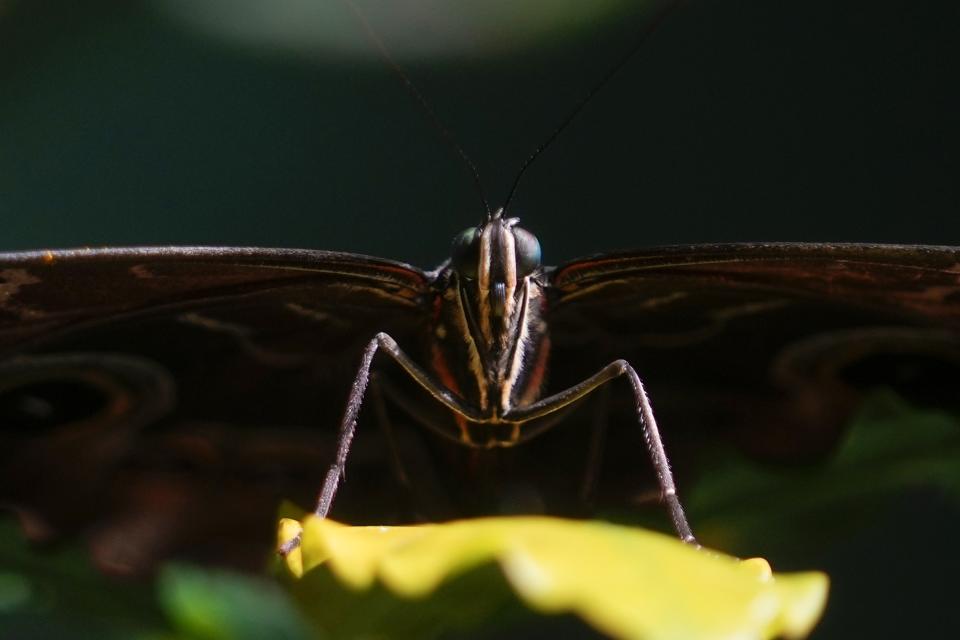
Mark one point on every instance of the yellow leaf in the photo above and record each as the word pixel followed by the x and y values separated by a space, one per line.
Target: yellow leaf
pixel 627 582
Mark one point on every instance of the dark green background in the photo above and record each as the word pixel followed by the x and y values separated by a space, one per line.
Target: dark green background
pixel 757 120
pixel 739 120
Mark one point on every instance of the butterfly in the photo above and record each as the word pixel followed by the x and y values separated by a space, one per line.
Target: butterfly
pixel 153 388
pixel 160 400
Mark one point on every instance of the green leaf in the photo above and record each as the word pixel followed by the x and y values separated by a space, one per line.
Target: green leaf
pixel 626 582
pixel 209 604
pixel 889 448
pixel 57 593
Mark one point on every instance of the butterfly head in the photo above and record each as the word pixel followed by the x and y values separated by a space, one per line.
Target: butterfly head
pixel 495 258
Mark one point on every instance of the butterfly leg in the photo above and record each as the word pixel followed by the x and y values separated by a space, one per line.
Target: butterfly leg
pixel 348 424
pixel 648 423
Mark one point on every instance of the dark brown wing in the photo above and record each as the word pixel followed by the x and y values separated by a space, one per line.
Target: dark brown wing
pixel 161 398
pixel 770 342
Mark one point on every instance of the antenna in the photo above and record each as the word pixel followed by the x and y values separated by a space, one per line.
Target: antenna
pixel 412 89
pixel 655 22
pixel 448 137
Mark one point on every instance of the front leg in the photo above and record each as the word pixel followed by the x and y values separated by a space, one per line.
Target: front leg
pixel 648 424
pixel 348 424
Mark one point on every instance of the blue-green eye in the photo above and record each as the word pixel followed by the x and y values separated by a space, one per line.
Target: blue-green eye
pixel 528 251
pixel 465 253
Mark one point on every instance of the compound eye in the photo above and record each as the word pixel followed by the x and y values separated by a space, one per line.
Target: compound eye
pixel 465 253
pixel 528 251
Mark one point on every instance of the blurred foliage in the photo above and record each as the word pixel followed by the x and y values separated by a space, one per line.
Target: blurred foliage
pixel 890 448
pixel 211 604
pixel 56 593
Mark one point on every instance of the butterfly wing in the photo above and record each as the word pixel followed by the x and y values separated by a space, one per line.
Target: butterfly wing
pixel 771 344
pixel 166 398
